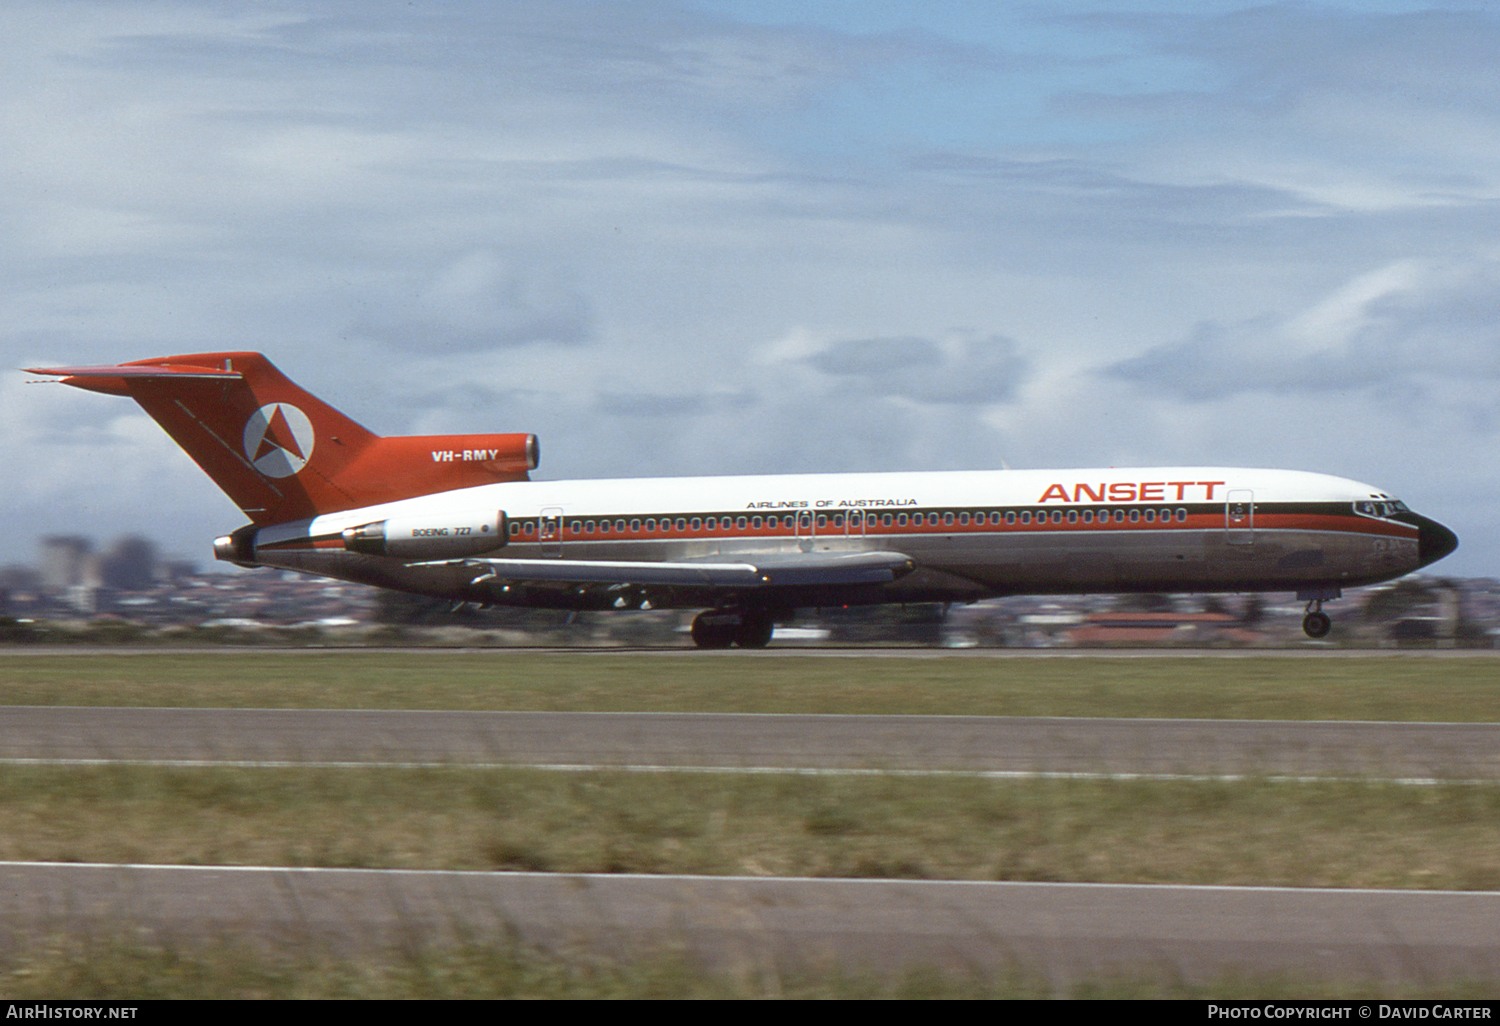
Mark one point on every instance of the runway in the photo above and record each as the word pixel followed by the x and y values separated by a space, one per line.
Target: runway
pixel 1000 745
pixel 1063 933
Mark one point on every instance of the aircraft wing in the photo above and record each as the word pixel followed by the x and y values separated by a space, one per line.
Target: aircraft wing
pixel 771 570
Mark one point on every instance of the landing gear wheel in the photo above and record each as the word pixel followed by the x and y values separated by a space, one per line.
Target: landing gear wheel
pixel 754 630
pixel 1317 625
pixel 713 629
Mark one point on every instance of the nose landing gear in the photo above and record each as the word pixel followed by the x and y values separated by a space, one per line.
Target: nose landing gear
pixel 1316 623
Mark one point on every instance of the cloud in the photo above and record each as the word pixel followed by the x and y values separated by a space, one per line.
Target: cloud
pixel 1396 328
pixel 1345 110
pixel 620 404
pixel 965 371
pixel 95 468
pixel 726 237
pixel 481 301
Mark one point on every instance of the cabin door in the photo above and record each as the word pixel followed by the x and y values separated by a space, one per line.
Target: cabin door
pixel 1239 517
pixel 805 530
pixel 549 531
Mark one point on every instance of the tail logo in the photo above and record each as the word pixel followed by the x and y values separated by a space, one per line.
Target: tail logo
pixel 278 439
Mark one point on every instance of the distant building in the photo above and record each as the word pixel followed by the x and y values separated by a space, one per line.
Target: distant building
pixel 129 565
pixel 64 562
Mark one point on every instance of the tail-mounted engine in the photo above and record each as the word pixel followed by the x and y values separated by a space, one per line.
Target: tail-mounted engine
pixel 430 536
pixel 238 548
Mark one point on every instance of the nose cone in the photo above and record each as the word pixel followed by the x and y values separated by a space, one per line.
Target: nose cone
pixel 1434 541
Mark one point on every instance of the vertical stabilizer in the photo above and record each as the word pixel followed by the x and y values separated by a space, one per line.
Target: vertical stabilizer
pixel 283 454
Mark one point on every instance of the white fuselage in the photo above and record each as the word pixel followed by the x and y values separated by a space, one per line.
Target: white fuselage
pixel 970 534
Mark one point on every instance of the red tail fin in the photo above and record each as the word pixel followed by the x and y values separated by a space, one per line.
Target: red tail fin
pixel 283 454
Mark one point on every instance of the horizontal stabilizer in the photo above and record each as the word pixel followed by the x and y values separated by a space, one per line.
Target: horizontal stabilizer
pixel 129 370
pixel 118 379
pixel 767 571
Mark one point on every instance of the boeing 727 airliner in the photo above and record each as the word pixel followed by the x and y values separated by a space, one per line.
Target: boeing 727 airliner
pixel 457 516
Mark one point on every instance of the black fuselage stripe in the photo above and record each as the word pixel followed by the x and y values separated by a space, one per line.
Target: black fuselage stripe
pixel 829 522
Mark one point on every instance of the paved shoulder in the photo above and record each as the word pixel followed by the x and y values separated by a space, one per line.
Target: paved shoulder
pixel 731 740
pixel 1064 932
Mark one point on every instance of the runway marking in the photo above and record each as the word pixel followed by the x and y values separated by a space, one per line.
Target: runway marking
pixel 807 771
pixel 1039 885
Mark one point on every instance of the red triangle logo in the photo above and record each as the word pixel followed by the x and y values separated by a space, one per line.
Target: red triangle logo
pixel 278 435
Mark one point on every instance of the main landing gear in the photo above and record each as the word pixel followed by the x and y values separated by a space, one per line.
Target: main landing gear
pixel 720 628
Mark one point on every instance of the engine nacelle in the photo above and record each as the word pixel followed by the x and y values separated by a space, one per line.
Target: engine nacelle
pixel 238 548
pixel 430 535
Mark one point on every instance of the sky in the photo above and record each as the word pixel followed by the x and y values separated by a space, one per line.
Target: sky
pixel 754 236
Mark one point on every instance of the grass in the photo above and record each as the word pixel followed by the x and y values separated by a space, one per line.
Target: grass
pixel 1330 834
pixel 1253 832
pixel 109 967
pixel 1414 688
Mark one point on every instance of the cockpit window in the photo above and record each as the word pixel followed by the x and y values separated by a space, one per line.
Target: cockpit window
pixel 1372 508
